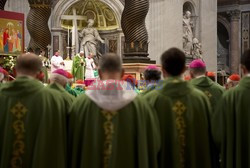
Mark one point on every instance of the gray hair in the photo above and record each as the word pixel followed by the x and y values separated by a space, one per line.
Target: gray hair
pixel 56 78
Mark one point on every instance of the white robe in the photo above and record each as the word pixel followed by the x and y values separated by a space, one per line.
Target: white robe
pixel 56 63
pixel 90 65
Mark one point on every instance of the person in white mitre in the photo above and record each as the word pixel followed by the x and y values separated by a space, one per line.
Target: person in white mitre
pixel 57 62
pixel 90 67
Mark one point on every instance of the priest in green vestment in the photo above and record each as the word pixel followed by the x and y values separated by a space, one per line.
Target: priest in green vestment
pixel 32 121
pixel 46 65
pixel 110 126
pixel 78 67
pixel 230 123
pixel 58 81
pixel 199 80
pixel 183 113
pixel 152 75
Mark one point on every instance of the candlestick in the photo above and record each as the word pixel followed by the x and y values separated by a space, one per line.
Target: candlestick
pixel 68 35
pixel 73 35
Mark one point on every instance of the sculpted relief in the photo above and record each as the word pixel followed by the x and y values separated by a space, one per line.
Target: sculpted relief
pixel 191 45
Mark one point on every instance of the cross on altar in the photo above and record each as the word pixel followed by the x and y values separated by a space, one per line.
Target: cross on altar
pixel 74 18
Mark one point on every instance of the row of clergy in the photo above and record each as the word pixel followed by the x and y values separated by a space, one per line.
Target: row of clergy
pixel 178 124
pixel 82 68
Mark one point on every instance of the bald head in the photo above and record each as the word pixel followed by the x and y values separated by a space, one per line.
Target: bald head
pixel 110 66
pixel 28 64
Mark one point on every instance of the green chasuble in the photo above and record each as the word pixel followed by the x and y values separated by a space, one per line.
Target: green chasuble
pixel 211 89
pixel 78 70
pixel 183 113
pixel 32 126
pixel 231 126
pixel 113 128
pixel 45 62
pixel 70 90
pixel 148 89
pixel 68 98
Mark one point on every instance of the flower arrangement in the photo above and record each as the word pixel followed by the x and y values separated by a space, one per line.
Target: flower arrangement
pixel 9 63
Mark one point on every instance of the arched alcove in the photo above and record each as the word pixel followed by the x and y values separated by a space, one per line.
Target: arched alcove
pixel 223 37
pixel 104 17
pixel 190 6
pixel 107 16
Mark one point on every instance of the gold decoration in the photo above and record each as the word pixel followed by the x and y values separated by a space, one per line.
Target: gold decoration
pixel 40 6
pixel 179 108
pixel 19 111
pixel 132 45
pixel 108 131
pixel 208 94
pixel 105 18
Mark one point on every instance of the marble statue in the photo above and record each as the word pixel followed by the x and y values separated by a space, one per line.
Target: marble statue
pixel 90 39
pixel 196 49
pixel 187 33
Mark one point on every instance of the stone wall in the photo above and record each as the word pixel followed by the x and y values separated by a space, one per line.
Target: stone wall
pixel 164 23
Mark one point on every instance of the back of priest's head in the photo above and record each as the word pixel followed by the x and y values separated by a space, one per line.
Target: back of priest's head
pixel 110 67
pixel 173 62
pixel 245 62
pixel 28 65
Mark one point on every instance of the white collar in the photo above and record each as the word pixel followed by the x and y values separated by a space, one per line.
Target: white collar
pixel 200 76
pixel 110 94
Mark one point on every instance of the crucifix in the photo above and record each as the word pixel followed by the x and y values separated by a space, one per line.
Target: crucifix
pixel 75 40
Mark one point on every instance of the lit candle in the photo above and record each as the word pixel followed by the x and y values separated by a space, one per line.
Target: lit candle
pixel 68 35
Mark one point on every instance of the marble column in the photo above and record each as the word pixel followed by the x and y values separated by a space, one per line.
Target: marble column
pixel 37 24
pixel 234 40
pixel 134 29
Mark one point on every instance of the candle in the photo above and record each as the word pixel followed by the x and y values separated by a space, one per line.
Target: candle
pixel 73 36
pixel 68 35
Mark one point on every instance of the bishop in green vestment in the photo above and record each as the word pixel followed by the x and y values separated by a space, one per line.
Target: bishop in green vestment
pixel 183 113
pixel 32 121
pixel 230 124
pixel 211 89
pixel 58 81
pixel 110 126
pixel 78 67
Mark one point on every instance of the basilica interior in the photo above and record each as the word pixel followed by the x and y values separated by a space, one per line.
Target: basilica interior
pixel 221 28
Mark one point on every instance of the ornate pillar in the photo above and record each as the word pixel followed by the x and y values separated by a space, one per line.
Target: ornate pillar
pixel 37 24
pixel 2 4
pixel 134 29
pixel 234 40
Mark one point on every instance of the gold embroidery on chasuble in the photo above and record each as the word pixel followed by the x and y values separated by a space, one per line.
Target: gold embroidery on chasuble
pixel 19 111
pixel 179 108
pixel 108 131
pixel 208 94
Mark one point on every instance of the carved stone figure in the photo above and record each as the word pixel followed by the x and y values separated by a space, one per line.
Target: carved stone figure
pixel 187 33
pixel 90 38
pixel 196 49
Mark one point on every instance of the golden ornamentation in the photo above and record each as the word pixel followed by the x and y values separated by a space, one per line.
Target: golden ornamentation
pixel 19 111
pixel 179 108
pixel 108 131
pixel 40 6
pixel 132 45
pixel 209 95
